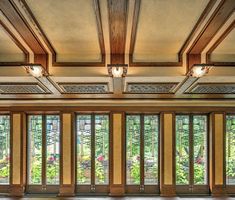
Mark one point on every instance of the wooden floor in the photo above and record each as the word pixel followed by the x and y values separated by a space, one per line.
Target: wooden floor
pixel 120 198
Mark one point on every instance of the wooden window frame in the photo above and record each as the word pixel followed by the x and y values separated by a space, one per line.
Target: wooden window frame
pixel 42 188
pixel 192 189
pixel 142 189
pixel 92 189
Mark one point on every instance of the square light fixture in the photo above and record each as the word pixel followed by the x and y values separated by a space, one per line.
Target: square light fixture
pixel 199 70
pixel 36 70
pixel 117 70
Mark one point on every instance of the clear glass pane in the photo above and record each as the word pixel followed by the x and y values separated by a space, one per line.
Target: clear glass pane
pixel 133 149
pixel 200 149
pixel 230 149
pixel 151 149
pixel 182 150
pixel 4 149
pixel 35 149
pixel 101 149
pixel 52 149
pixel 83 149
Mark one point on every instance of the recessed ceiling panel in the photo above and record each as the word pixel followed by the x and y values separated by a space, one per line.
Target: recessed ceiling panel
pixel 213 88
pixel 150 88
pixel 9 51
pixel 22 88
pixel 70 27
pixel 84 88
pixel 163 27
pixel 225 51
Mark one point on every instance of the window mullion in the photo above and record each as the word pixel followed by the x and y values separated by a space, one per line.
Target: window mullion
pixel 92 150
pixel 43 150
pixel 191 152
pixel 141 151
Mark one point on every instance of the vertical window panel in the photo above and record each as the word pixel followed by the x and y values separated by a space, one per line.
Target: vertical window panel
pixel 52 149
pixel 83 149
pixel 4 149
pixel 133 149
pixel 230 149
pixel 200 149
pixel 101 149
pixel 151 149
pixel 182 150
pixel 35 149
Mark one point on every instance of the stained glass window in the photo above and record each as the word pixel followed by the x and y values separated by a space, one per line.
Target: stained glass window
pixel 4 149
pixel 151 149
pixel 43 149
pixel 200 149
pixel 133 149
pixel 53 149
pixel 230 149
pixel 101 149
pixel 84 149
pixel 182 149
pixel 92 129
pixel 35 149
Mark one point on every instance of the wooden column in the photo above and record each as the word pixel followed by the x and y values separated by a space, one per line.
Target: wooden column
pixel 18 154
pixel 117 162
pixel 167 155
pixel 217 144
pixel 67 181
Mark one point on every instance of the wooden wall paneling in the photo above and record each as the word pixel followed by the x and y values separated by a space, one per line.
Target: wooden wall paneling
pixel 67 161
pixel 167 154
pixel 117 154
pixel 18 154
pixel 217 160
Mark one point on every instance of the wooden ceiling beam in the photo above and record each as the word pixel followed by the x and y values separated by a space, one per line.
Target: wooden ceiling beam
pixel 18 21
pixel 216 21
pixel 117 29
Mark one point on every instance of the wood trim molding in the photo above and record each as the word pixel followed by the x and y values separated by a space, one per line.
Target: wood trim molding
pixel 117 29
pixel 216 44
pixel 53 51
pixel 14 16
pixel 181 51
pixel 18 44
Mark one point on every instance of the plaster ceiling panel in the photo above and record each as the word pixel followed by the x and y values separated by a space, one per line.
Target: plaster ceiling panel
pixel 225 51
pixel 9 51
pixel 163 27
pixel 70 27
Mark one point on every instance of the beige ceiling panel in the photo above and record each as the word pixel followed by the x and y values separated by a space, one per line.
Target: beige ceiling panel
pixel 163 28
pixel 71 28
pixel 225 52
pixel 9 51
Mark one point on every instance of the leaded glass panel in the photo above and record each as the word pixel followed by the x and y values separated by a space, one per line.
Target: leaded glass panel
pixel 4 149
pixel 230 149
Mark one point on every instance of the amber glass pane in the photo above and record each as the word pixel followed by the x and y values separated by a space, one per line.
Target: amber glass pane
pixel 230 149
pixel 101 149
pixel 133 149
pixel 83 149
pixel 52 149
pixel 200 149
pixel 150 149
pixel 4 149
pixel 182 150
pixel 35 149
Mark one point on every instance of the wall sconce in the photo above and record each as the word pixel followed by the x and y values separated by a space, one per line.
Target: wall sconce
pixel 199 70
pixel 117 70
pixel 36 70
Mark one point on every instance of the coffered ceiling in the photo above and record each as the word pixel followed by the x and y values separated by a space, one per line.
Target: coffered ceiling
pixel 74 40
